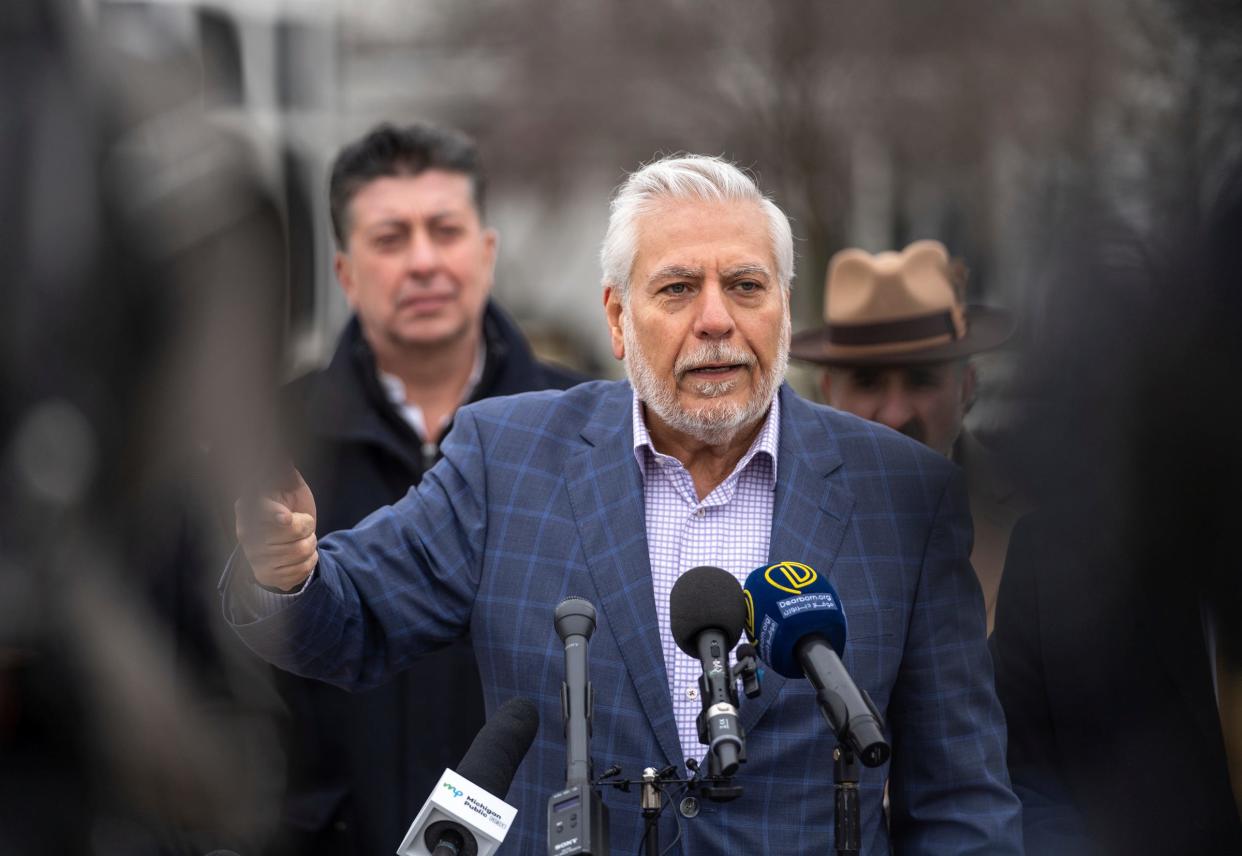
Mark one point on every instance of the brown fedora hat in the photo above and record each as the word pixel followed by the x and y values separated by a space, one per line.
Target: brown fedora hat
pixel 895 308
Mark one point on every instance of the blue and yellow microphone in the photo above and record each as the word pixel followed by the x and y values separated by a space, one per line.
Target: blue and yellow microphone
pixel 795 621
pixel 785 602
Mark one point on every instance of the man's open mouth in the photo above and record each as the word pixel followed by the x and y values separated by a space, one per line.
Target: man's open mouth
pixel 715 370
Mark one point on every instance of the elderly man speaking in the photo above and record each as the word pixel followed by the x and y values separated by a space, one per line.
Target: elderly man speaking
pixel 610 491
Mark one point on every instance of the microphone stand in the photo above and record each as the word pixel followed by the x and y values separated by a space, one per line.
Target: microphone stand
pixel 848 817
pixel 651 787
pixel 848 826
pixel 650 801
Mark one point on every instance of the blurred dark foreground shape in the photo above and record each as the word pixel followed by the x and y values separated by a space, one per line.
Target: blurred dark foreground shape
pixel 143 292
pixel 1118 643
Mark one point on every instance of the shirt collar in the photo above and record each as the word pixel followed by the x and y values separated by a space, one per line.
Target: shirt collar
pixel 394 387
pixel 767 442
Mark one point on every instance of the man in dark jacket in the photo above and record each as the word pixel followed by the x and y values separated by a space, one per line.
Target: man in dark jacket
pixel 415 262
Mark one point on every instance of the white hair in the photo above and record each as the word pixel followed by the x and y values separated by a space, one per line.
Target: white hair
pixel 699 177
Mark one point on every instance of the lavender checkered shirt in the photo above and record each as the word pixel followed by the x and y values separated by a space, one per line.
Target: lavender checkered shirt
pixel 729 529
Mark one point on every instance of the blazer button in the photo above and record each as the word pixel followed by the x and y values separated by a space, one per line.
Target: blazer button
pixel 689 807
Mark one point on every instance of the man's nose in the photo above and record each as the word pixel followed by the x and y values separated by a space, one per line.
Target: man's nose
pixel 896 409
pixel 423 257
pixel 714 320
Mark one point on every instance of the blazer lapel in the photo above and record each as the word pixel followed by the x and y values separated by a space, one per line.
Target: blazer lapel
pixel 809 515
pixel 606 493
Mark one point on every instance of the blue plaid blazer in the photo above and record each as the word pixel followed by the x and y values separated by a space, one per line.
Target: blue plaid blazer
pixel 539 497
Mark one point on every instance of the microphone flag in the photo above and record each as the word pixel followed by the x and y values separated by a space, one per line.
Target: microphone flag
pixel 785 602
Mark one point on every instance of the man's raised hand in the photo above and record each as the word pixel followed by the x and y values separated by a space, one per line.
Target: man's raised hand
pixel 277 533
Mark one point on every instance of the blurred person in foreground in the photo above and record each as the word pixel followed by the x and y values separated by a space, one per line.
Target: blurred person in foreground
pixel 415 260
pixel 610 491
pixel 145 273
pixel 896 350
pixel 1117 641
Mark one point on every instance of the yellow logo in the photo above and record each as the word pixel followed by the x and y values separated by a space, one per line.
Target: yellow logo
pixel 790 576
pixel 750 613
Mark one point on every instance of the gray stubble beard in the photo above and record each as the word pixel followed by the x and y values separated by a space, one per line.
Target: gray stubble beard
pixel 713 425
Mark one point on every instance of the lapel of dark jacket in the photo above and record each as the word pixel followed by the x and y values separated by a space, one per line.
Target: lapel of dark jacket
pixel 810 512
pixel 606 492
pixel 345 403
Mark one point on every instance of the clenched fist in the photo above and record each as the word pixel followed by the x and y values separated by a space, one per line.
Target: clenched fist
pixel 277 534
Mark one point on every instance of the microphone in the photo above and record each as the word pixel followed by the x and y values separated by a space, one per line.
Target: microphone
pixel 577 816
pixel 795 620
pixel 706 614
pixel 574 620
pixel 466 814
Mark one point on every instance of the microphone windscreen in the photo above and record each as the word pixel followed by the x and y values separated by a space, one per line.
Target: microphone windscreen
pixel 785 602
pixel 499 747
pixel 574 616
pixel 702 599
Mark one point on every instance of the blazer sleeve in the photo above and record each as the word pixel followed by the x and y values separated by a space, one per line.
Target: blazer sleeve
pixel 949 788
pixel 399 584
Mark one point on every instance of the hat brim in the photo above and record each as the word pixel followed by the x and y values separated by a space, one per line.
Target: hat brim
pixel 986 328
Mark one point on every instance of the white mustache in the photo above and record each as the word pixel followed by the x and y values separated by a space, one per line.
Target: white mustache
pixel 712 355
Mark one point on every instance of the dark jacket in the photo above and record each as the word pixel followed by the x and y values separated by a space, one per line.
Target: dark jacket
pixel 362 765
pixel 1114 737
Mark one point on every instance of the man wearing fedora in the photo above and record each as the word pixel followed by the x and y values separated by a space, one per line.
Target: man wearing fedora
pixel 896 350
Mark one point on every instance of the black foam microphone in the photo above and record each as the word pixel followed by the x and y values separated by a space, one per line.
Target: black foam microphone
pixel 577 816
pixel 497 750
pixel 706 614
pixel 466 814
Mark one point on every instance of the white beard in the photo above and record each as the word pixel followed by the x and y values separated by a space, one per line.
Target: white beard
pixel 712 423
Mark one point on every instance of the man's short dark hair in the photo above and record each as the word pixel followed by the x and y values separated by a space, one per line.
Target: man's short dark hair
pixel 388 151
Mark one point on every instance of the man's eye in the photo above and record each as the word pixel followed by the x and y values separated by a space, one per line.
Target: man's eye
pixel 448 233
pixel 387 242
pixel 748 286
pixel 924 380
pixel 676 288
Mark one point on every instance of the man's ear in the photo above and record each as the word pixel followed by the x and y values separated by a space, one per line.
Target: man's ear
pixel 491 247
pixel 613 307
pixel 344 276
pixel 969 382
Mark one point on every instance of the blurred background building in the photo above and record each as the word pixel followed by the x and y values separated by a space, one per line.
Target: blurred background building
pixel 987 126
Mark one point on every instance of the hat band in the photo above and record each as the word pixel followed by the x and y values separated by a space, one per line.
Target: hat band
pixel 887 332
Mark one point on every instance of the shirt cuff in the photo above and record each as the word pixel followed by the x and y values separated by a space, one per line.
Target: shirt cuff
pixel 245 601
pixel 266 602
